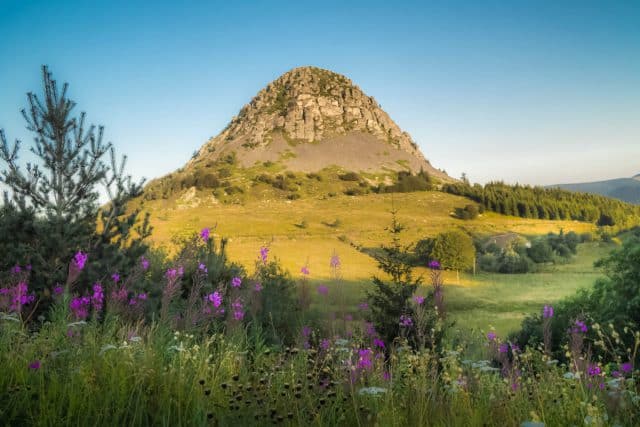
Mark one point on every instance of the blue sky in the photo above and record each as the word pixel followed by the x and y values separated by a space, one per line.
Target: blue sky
pixel 532 92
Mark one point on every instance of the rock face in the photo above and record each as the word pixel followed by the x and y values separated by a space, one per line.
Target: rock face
pixel 311 105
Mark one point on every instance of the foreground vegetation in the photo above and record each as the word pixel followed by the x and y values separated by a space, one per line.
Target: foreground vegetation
pixel 97 328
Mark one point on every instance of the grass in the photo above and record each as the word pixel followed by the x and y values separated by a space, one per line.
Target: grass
pixel 478 302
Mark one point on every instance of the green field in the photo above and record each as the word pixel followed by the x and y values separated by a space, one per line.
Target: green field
pixel 307 232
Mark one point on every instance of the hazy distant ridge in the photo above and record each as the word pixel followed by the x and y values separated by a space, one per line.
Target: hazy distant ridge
pixel 626 189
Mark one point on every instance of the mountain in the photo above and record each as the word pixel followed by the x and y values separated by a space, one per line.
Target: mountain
pixel 625 189
pixel 308 121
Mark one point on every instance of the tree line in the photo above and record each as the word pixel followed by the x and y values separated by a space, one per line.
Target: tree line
pixel 547 203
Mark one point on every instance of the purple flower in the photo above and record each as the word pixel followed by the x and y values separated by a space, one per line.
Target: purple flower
pixel 306 331
pixel 28 267
pixel 580 327
pixel 547 312
pixel 35 365
pixel 434 265
pixel 264 253
pixel 363 306
pixel 304 270
pixel 335 261
pixel 58 289
pixel 216 299
pixel 323 290
pixel 348 317
pixel 236 282
pixel 142 296
pixel 504 348
pixel 377 342
pixel 491 336
pixel 203 268
pixel 144 263
pixel 204 233
pixel 80 307
pixel 406 321
pixel 16 269
pixel 626 367
pixel 594 370
pixel 80 259
pixel 386 375
pixel 418 299
pixel 258 287
pixel 238 310
pixel 370 329
pixel 115 277
pixel 364 359
pixel 171 273
pixel 515 348
pixel 97 299
pixel 180 271
pixel 325 344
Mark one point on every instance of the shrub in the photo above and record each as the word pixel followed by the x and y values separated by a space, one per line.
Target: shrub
pixel 349 176
pixel 468 212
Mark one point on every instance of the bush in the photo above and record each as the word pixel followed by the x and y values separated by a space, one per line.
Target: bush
pixel 468 212
pixel 349 176
pixel 540 251
pixel 454 250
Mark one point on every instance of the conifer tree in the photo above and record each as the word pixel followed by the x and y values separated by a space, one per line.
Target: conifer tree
pixel 57 196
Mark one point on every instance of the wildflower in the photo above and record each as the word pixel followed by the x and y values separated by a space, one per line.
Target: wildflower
pixel 364 359
pixel 580 326
pixel 35 365
pixel 238 310
pixel 348 317
pixel 515 348
pixel 115 277
pixel 386 375
pixel 325 344
pixel 216 299
pixel 370 329
pixel 16 269
pixel 142 296
pixel 434 265
pixel 144 263
pixel 306 331
pixel 264 252
pixel 363 306
pixel 323 290
pixel 80 259
pixel 80 307
pixel 28 267
pixel 594 370
pixel 258 287
pixel 204 233
pixel 377 342
pixel 97 299
pixel 58 289
pixel 171 273
pixel 180 271
pixel 406 321
pixel 133 301
pixel 203 268
pixel 547 312
pixel 236 282
pixel 503 348
pixel 418 299
pixel 335 261
pixel 626 367
pixel 491 336
pixel 304 270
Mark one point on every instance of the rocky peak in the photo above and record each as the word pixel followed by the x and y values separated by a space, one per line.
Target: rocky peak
pixel 311 104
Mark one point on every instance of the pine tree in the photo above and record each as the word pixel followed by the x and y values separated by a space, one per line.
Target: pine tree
pixel 389 300
pixel 59 195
